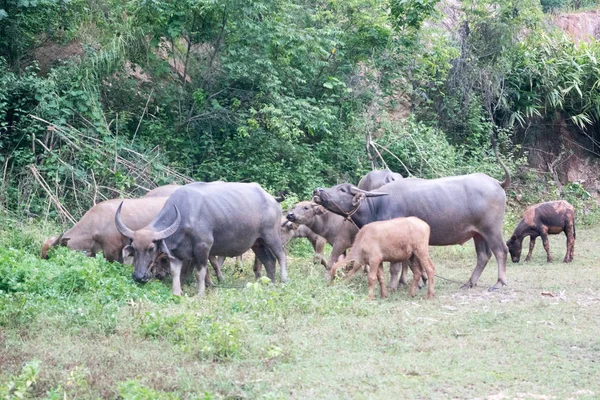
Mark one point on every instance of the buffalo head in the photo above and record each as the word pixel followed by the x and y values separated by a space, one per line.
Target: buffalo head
pixel 514 247
pixel 146 245
pixel 304 212
pixel 342 199
pixel 51 242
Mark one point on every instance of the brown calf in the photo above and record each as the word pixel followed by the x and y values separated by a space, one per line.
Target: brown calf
pixel 542 219
pixel 394 240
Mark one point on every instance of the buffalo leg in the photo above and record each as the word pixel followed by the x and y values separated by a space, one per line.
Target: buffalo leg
pixel 498 247
pixel 395 269
pixel 201 252
pixel 570 233
pixel 417 271
pixel 338 249
pixel 257 267
pixel 216 264
pixel 373 268
pixel 319 250
pixel 544 235
pixel 427 272
pixel 381 280
pixel 404 274
pixel 531 246
pixel 176 264
pixel 483 256
pixel 200 273
pixel 272 242
pixel 267 258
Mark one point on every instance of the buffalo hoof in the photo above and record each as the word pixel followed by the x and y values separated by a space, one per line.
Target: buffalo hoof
pixel 467 285
pixel 497 286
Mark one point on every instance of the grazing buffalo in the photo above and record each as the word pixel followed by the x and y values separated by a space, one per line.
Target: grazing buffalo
pixel 377 178
pixel 542 219
pixel 96 231
pixel 202 220
pixel 162 191
pixel 456 208
pixel 395 240
pixel 335 229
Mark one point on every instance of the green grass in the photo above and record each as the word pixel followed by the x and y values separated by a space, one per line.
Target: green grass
pixel 80 328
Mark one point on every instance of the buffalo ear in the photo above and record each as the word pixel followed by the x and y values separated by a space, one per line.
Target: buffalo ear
pixel 63 241
pixel 358 198
pixel 320 210
pixel 127 254
pixel 128 251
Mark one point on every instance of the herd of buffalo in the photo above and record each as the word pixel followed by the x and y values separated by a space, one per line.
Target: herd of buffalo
pixel 386 218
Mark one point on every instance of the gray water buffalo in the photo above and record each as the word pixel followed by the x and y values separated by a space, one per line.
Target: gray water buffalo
pixel 456 208
pixel 202 220
pixel 377 178
pixel 334 228
pixel 96 232
pixel 162 191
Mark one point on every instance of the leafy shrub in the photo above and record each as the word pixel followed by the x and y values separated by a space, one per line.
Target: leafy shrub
pixel 21 386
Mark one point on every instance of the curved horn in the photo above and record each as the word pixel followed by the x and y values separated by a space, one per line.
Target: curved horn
pixel 375 194
pixel 355 190
pixel 165 233
pixel 123 230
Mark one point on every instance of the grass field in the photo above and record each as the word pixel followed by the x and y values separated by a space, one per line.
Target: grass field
pixel 94 333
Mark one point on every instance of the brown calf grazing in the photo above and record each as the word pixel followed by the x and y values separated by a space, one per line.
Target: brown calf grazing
pixel 542 219
pixel 394 240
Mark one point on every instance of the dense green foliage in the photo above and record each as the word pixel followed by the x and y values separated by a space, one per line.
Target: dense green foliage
pixel 111 97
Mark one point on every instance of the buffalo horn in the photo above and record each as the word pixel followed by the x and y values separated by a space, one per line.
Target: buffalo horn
pixel 355 190
pixel 165 233
pixel 125 231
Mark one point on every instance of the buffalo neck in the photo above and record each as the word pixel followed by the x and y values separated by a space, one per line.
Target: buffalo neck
pixel 522 230
pixel 366 212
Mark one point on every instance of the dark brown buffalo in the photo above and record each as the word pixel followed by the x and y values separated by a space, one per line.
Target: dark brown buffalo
pixel 552 217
